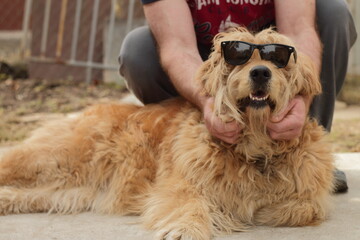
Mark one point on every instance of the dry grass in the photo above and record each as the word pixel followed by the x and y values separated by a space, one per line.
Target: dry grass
pixel 345 135
pixel 350 91
pixel 24 104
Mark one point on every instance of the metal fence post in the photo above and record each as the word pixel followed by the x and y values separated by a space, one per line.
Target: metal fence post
pixel 130 17
pixel 25 28
pixel 110 34
pixel 92 41
pixel 45 29
pixel 75 35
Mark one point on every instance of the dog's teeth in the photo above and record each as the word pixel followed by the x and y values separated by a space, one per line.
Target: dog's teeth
pixel 255 98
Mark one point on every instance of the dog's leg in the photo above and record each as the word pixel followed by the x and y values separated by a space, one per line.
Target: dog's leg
pixel 41 177
pixel 44 199
pixel 33 175
pixel 30 166
pixel 125 192
pixel 295 212
pixel 58 152
pixel 176 211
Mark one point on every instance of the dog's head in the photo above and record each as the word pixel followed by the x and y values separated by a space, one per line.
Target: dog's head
pixel 257 85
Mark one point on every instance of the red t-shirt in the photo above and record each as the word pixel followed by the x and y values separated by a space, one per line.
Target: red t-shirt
pixel 213 16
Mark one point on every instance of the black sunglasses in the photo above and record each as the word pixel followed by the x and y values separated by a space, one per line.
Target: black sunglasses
pixel 238 52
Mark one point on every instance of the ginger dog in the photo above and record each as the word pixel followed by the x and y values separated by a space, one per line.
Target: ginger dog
pixel 160 162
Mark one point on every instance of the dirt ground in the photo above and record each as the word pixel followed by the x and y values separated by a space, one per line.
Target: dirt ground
pixel 25 104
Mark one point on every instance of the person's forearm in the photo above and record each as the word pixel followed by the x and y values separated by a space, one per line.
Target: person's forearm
pixel 308 42
pixel 177 45
pixel 181 66
pixel 296 19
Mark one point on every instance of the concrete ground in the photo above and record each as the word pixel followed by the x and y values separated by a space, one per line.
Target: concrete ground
pixel 344 222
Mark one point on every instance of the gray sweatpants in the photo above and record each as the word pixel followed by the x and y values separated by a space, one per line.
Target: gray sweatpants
pixel 140 66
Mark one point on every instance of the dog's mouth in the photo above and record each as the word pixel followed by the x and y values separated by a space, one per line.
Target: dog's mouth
pixel 257 99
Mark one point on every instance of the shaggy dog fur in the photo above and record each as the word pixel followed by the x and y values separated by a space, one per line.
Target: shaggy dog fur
pixel 159 161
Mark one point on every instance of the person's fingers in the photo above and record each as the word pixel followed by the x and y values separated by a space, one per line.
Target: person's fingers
pixel 295 106
pixel 227 138
pixel 227 131
pixel 283 113
pixel 290 125
pixel 287 129
pixel 286 135
pixel 225 128
pixel 287 124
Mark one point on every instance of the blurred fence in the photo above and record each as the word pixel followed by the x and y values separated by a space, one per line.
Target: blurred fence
pixel 80 39
pixel 77 39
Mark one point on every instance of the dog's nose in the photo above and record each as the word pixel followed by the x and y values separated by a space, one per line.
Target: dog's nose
pixel 260 74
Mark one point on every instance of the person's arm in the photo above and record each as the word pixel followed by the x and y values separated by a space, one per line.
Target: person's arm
pixel 296 19
pixel 171 24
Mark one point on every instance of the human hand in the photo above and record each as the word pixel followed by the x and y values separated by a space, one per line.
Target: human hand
pixel 228 132
pixel 288 124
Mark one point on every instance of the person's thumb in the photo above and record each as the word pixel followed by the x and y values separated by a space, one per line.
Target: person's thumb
pixel 282 114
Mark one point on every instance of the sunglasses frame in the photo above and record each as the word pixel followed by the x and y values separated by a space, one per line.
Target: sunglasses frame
pixel 252 46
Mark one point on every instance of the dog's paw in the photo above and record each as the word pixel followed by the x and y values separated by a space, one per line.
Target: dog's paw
pixel 175 234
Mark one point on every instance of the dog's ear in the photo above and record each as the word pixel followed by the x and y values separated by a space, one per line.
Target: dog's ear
pixel 209 75
pixel 308 82
pixel 213 73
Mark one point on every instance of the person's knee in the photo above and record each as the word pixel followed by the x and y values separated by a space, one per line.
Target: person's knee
pixel 141 69
pixel 335 21
pixel 131 50
pixel 333 14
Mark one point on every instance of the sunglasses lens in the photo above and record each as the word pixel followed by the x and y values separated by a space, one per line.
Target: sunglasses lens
pixel 236 53
pixel 277 54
